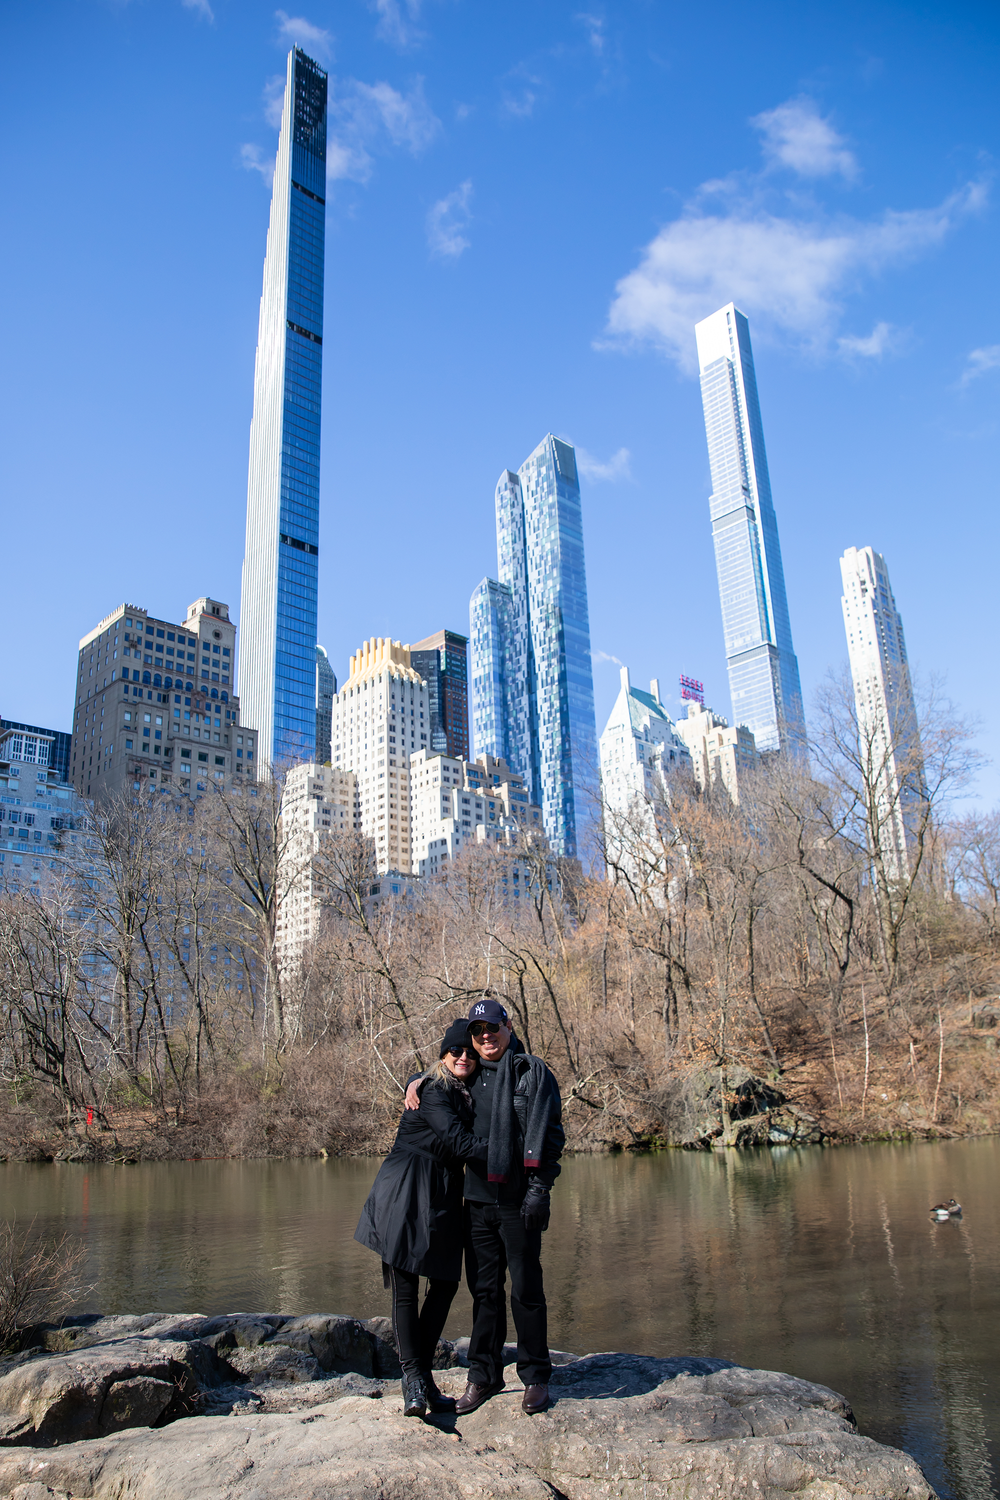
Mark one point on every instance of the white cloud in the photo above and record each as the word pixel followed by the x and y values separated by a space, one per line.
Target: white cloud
pixel 366 115
pixel 789 273
pixel 797 136
pixel 202 7
pixel 299 32
pixel 521 92
pixel 253 160
pixel 274 98
pixel 594 27
pixel 616 467
pixel 980 361
pixel 447 222
pixel 882 340
pixel 394 27
pixel 599 657
pixel 407 118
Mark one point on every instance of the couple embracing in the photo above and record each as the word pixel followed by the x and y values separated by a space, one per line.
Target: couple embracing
pixel 492 1108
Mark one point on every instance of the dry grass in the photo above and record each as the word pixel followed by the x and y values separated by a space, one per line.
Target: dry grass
pixel 39 1280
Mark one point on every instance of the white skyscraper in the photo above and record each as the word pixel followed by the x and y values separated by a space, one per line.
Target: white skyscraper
pixel 888 734
pixel 763 671
pixel 381 717
pixel 640 751
pixel 277 677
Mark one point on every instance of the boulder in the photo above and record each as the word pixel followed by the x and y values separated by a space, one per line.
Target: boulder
pixel 621 1425
pixel 274 1362
pixel 63 1398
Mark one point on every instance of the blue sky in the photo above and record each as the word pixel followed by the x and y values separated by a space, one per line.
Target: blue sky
pixel 530 205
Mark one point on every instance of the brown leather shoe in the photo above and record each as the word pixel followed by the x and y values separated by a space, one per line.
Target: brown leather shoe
pixel 473 1397
pixel 536 1399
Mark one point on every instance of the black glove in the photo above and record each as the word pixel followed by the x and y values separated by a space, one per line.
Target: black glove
pixel 535 1208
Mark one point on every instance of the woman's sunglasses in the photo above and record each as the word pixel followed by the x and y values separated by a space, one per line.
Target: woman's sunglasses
pixel 463 1052
pixel 483 1028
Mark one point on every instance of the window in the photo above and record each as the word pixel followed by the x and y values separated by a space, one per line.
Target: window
pixel 202 755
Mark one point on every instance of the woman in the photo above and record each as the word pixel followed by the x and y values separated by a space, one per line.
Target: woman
pixel 413 1216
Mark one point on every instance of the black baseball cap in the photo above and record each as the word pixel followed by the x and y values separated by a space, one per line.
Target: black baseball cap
pixel 488 1010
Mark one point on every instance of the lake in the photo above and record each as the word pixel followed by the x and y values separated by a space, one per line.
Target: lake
pixel 823 1263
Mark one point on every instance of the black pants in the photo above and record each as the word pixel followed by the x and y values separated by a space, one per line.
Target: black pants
pixel 417 1328
pixel 496 1241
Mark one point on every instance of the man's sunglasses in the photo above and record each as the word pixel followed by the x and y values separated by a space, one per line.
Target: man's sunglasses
pixel 484 1028
pixel 463 1052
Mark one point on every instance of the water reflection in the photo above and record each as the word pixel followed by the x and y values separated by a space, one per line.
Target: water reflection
pixel 823 1263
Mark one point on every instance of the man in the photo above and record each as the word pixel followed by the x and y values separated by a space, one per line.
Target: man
pixel 507 1207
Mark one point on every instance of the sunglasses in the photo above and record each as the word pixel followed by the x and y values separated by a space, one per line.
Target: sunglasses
pixel 463 1052
pixel 484 1028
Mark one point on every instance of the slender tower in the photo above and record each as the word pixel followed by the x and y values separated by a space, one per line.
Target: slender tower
pixel 891 759
pixel 532 680
pixel 763 671
pixel 277 660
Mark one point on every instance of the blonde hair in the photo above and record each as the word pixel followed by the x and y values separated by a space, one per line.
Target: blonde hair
pixel 440 1070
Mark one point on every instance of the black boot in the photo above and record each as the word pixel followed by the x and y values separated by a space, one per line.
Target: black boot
pixel 414 1394
pixel 436 1400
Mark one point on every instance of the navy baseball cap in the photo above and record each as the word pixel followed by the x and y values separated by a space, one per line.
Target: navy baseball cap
pixel 488 1010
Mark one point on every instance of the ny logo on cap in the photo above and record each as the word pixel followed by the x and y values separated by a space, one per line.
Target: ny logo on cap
pixel 480 1010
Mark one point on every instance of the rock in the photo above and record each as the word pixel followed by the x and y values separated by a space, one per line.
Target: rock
pixel 274 1362
pixel 338 1343
pixel 137 1402
pixel 62 1399
pixel 622 1425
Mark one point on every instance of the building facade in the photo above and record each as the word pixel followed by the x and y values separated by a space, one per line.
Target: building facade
pixel 763 670
pixel 888 731
pixel 60 742
pixel 317 804
pixel 532 682
pixel 326 687
pixel 441 661
pixel 155 706
pixel 719 755
pixel 380 717
pixel 640 747
pixel 281 564
pixel 456 803
pixel 43 822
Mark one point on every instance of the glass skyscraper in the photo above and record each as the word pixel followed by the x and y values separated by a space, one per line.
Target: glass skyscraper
pixel 532 682
pixel 763 671
pixel 442 662
pixel 277 661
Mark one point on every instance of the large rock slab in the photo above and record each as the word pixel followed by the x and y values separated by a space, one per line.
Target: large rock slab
pixel 132 1382
pixel 621 1426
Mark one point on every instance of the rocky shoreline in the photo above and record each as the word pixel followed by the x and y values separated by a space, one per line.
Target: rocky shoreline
pixel 246 1407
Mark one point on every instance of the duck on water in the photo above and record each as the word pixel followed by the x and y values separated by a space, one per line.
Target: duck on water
pixel 949 1210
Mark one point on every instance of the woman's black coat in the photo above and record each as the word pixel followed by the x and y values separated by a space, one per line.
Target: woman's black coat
pixel 413 1215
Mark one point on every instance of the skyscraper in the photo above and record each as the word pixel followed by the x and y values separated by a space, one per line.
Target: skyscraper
pixel 763 671
pixel 277 660
pixel 326 687
pixel 441 661
pixel 888 734
pixel 532 682
pixel 146 688
pixel 380 715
